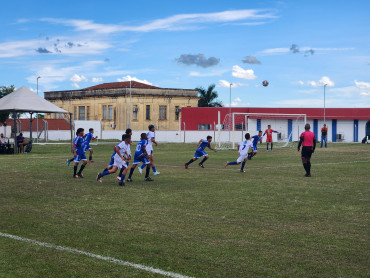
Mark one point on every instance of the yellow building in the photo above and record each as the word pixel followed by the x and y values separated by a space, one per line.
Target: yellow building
pixel 110 103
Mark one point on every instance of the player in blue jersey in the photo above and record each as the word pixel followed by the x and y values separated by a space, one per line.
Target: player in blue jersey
pixel 149 149
pixel 141 156
pixel 88 137
pixel 243 149
pixel 79 153
pixel 255 140
pixel 202 144
pixel 120 158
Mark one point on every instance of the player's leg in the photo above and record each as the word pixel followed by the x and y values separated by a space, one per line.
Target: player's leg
pixel 196 156
pixel 123 172
pixel 151 159
pixel 148 166
pixel 129 179
pixel 243 164
pixel 233 162
pixel 272 145
pixel 322 141
pixel 83 158
pixel 76 160
pixel 267 144
pixel 205 155
pixel 326 141
pixel 90 155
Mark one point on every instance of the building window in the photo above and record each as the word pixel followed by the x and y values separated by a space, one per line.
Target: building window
pixel 177 113
pixel 162 112
pixel 75 113
pixel 239 126
pixel 134 112
pixel 81 113
pixel 104 112
pixel 204 127
pixel 87 113
pixel 147 112
pixel 110 112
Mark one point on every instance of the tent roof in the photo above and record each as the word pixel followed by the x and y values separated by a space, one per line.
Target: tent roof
pixel 24 100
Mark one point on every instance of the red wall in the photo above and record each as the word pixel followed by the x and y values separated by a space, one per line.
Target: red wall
pixel 192 116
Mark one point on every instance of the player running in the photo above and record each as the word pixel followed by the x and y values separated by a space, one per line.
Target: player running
pixel 149 149
pixel 308 142
pixel 269 132
pixel 120 160
pixel 243 148
pixel 128 132
pixel 256 139
pixel 202 144
pixel 141 155
pixel 88 137
pixel 79 153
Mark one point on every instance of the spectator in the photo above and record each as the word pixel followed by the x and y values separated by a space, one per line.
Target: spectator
pixel 324 136
pixel 21 142
pixel 2 139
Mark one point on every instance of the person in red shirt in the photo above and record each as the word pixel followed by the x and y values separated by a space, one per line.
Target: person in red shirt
pixel 269 132
pixel 308 142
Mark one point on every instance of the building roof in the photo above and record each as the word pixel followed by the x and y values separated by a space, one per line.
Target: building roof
pixel 53 124
pixel 125 84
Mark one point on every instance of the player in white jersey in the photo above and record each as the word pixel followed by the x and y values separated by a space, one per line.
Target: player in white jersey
pixel 243 148
pixel 121 158
pixel 149 149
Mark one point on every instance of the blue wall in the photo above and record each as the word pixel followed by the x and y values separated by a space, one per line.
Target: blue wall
pixel 290 129
pixel 258 124
pixel 355 131
pixel 316 128
pixel 334 130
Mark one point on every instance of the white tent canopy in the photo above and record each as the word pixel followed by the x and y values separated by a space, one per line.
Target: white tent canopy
pixel 24 100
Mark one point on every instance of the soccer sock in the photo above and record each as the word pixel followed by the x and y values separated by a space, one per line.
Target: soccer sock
pixel 154 170
pixel 305 166
pixel 131 172
pixel 123 178
pixel 268 146
pixel 147 172
pixel 105 169
pixel 204 159
pixel 272 144
pixel 250 155
pixel 232 163
pixel 75 170
pixel 71 159
pixel 120 172
pixel 105 172
pixel 190 161
pixel 143 166
pixel 90 157
pixel 243 164
pixel 81 169
pixel 309 167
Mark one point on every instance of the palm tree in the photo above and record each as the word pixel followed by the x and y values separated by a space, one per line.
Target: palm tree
pixel 208 97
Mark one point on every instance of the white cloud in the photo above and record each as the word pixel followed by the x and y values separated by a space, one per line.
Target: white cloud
pixel 128 78
pixel 237 102
pixel 324 80
pixel 239 72
pixel 365 94
pixel 362 85
pixel 175 22
pixel 97 79
pixel 77 79
pixel 226 84
pixel 206 74
pixel 300 82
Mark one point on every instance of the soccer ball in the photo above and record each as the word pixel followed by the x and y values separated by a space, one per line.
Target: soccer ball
pixel 265 83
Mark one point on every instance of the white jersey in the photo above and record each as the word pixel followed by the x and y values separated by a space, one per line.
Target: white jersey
pixel 244 147
pixel 150 136
pixel 124 150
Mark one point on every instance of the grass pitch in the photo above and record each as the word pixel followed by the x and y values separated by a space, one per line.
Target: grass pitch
pixel 268 222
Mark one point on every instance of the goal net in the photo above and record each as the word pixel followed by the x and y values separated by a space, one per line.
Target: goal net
pixel 236 125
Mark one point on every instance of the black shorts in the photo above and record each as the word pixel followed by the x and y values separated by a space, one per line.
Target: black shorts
pixel 307 152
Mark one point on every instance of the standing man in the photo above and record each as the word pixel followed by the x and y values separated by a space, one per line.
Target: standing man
pixel 149 148
pixel 269 132
pixel 324 136
pixel 88 137
pixel 308 142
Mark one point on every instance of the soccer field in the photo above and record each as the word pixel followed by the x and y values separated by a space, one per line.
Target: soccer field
pixel 268 222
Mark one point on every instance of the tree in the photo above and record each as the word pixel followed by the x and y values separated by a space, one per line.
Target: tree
pixel 5 90
pixel 208 97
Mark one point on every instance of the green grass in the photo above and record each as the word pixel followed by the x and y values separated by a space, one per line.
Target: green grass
pixel 268 222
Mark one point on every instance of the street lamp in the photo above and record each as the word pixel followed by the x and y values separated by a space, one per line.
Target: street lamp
pixel 324 103
pixel 230 114
pixel 37 115
pixel 129 123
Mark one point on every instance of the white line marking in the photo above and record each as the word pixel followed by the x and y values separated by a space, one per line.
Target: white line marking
pixel 88 254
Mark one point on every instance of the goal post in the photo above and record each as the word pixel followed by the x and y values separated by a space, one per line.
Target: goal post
pixel 235 125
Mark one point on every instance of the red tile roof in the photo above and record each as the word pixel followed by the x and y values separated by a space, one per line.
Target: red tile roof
pixel 53 124
pixel 125 84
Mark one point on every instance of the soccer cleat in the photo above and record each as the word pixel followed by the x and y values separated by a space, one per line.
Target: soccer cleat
pixel 148 179
pixel 186 166
pixel 91 161
pixel 242 171
pixel 307 175
pixel 119 178
pixel 121 184
pixel 225 165
pixel 201 165
pixel 156 173
pixel 140 171
pixel 68 162
pixel 98 177
pixel 80 175
pixel 76 176
pixel 129 180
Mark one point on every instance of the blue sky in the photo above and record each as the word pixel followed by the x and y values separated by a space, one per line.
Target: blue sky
pixel 298 46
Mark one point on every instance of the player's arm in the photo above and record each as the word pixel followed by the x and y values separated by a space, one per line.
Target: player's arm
pixel 314 144
pixel 74 149
pixel 153 141
pixel 116 149
pixel 93 138
pixel 200 142
pixel 275 131
pixel 216 151
pixel 300 142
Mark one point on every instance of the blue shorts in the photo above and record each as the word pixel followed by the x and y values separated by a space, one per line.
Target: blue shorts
pixel 87 147
pixel 111 161
pixel 142 159
pixel 80 157
pixel 199 154
pixel 255 148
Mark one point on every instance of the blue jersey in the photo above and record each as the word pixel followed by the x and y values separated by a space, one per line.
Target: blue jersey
pixel 79 145
pixel 88 137
pixel 256 138
pixel 140 148
pixel 203 145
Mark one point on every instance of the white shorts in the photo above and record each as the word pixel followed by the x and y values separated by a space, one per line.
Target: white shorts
pixel 149 150
pixel 241 158
pixel 118 162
